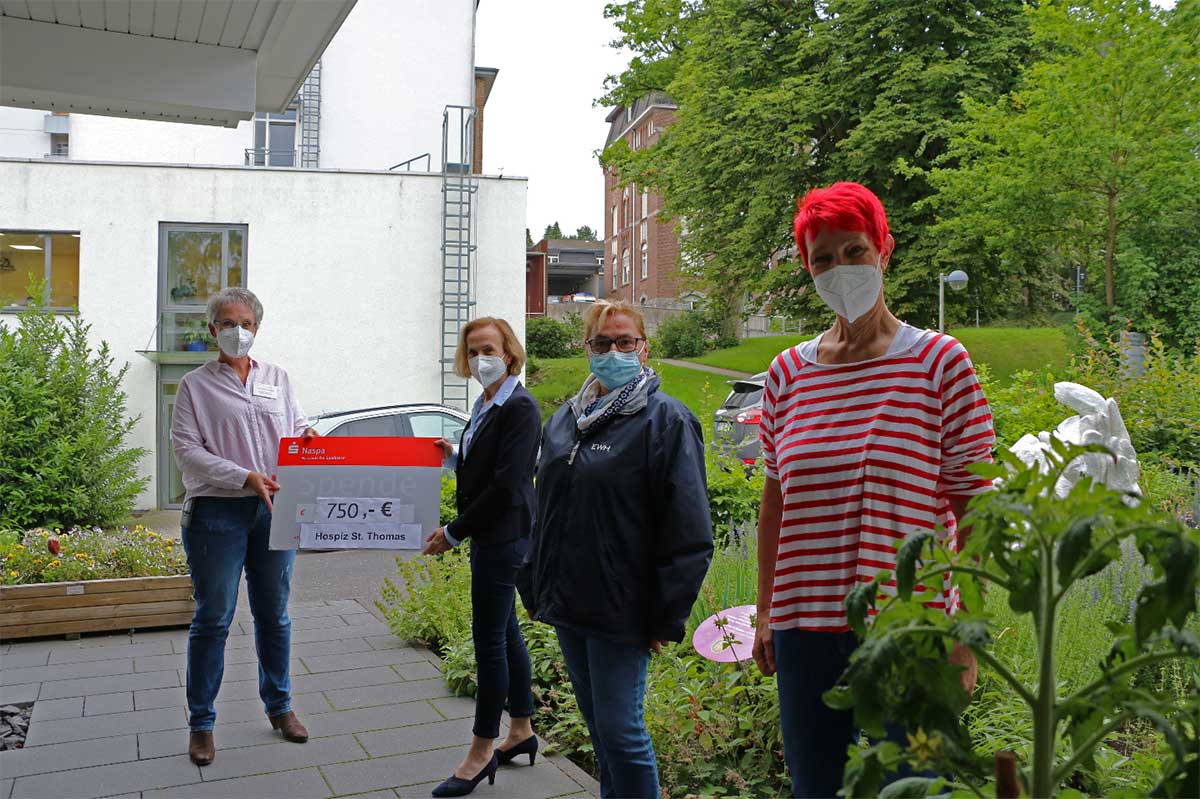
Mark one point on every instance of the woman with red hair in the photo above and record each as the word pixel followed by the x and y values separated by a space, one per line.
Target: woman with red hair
pixel 867 432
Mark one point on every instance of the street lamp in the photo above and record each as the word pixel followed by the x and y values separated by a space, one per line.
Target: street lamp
pixel 957 281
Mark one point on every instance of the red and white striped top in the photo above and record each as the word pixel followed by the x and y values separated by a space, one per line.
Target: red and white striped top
pixel 865 454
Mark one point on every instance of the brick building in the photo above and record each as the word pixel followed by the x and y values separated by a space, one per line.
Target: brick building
pixel 642 253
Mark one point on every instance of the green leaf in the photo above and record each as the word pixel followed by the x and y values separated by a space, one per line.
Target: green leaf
pixel 1074 546
pixel 907 557
pixel 912 788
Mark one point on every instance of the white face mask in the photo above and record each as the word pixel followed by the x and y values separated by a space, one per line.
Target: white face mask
pixel 850 289
pixel 235 342
pixel 488 369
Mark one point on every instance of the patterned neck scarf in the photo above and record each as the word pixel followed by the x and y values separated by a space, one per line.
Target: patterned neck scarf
pixel 593 410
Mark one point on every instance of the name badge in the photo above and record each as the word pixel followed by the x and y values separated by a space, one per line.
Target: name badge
pixel 265 390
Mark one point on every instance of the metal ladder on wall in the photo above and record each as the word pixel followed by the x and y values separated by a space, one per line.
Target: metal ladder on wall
pixel 310 119
pixel 458 245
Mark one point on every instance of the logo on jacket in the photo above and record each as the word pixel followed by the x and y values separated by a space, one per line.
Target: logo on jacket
pixel 601 447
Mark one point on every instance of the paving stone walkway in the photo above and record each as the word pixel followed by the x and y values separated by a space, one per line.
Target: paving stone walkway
pixel 110 719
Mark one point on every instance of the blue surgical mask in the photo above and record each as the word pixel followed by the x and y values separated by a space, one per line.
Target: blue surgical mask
pixel 614 369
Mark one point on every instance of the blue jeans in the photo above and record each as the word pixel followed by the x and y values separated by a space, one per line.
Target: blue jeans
pixel 500 655
pixel 224 535
pixel 815 736
pixel 610 687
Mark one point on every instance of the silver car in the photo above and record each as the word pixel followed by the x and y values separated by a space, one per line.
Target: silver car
pixel 419 421
pixel 735 423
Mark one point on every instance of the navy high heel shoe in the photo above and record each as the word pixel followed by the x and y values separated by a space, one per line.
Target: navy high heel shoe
pixel 455 786
pixel 527 747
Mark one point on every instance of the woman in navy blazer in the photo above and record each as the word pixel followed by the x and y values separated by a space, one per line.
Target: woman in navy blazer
pixel 494 463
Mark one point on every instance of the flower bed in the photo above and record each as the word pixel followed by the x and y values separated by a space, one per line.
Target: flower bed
pixel 91 580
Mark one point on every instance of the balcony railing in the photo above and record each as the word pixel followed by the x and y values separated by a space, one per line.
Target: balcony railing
pixel 262 156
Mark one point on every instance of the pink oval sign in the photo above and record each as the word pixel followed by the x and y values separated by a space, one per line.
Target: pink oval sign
pixel 726 636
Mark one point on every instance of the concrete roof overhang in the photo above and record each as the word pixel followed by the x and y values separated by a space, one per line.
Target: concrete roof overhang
pixel 207 62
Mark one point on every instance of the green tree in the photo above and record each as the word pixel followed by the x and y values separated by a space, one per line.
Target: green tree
pixel 553 232
pixel 584 233
pixel 1090 163
pixel 776 97
pixel 63 458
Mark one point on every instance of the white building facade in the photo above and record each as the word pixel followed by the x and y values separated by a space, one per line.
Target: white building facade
pixel 136 223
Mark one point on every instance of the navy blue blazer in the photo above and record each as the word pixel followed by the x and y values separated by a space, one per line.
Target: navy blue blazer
pixel 494 490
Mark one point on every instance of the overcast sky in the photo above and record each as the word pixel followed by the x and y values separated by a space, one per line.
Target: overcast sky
pixel 540 123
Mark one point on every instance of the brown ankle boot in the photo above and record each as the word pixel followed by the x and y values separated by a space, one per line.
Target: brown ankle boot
pixel 290 726
pixel 201 748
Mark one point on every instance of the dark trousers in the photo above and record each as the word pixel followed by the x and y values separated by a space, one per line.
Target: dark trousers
pixel 224 536
pixel 815 736
pixel 610 686
pixel 500 655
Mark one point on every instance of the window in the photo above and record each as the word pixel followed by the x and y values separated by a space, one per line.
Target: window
pixel 553 259
pixel 195 262
pixel 614 266
pixel 274 139
pixel 432 424
pixel 599 260
pixel 614 220
pixel 645 260
pixel 645 204
pixel 625 266
pixel 637 139
pixel 371 426
pixel 628 113
pixel 31 258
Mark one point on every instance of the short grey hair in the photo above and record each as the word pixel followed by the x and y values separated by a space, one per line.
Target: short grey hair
pixel 234 296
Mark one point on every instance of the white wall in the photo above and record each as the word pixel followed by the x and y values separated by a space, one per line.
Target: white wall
pixel 347 266
pixel 387 76
pixel 97 138
pixel 22 134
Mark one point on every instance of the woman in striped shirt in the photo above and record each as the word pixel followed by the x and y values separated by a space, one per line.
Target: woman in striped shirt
pixel 867 433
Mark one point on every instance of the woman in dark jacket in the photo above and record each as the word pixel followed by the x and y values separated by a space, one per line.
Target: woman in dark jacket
pixel 623 539
pixel 494 464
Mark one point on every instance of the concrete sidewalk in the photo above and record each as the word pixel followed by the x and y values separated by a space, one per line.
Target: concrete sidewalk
pixel 110 719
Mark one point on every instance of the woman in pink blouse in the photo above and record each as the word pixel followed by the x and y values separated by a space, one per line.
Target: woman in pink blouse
pixel 229 417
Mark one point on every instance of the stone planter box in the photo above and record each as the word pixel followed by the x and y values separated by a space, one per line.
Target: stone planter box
pixel 27 611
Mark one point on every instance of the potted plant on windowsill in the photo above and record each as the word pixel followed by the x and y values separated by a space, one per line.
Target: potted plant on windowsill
pixel 194 339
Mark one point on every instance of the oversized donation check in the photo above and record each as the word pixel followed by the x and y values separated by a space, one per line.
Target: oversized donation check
pixel 356 493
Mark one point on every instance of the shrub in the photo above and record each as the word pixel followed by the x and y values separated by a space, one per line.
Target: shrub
pixel 734 494
pixel 447 504
pixel 550 338
pixel 682 336
pixel 62 427
pixel 89 553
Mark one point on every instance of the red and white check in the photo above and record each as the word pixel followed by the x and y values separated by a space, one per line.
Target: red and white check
pixel 356 493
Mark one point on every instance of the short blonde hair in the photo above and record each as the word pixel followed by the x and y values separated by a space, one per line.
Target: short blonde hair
pixel 512 345
pixel 598 314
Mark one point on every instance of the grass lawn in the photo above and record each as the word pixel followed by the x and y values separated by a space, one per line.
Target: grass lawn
pixel 1005 350
pixel 557 380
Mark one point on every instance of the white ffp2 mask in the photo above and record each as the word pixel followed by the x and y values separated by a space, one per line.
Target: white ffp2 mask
pixel 488 369
pixel 850 289
pixel 235 342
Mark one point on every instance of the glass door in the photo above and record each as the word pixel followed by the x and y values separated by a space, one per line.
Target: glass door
pixel 170 478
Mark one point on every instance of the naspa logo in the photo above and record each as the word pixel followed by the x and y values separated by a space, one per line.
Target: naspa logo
pixel 293 449
pixel 601 447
